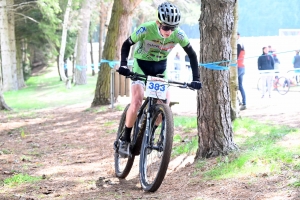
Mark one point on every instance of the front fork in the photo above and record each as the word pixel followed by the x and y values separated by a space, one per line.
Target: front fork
pixel 147 130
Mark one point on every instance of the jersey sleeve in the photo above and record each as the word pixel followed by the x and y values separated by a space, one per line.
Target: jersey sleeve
pixel 138 34
pixel 183 40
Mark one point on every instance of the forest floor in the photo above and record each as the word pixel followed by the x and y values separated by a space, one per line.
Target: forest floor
pixel 71 147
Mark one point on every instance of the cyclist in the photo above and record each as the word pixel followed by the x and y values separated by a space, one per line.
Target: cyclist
pixel 155 40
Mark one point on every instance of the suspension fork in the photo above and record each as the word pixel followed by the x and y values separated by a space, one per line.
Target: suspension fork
pixel 148 124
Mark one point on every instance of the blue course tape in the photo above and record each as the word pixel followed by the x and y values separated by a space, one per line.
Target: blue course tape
pixel 213 65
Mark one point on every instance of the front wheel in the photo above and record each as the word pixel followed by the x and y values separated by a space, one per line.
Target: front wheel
pixel 122 165
pixel 156 148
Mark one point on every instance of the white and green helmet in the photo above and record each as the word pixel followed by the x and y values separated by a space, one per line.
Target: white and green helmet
pixel 168 14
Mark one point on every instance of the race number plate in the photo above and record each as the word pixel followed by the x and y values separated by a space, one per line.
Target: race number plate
pixel 156 88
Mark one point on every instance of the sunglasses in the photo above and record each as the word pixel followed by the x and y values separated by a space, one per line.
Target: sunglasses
pixel 167 28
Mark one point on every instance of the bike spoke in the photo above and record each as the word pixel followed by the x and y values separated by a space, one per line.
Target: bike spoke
pixel 154 155
pixel 122 165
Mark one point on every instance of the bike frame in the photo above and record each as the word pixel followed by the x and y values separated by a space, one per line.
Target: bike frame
pixel 147 104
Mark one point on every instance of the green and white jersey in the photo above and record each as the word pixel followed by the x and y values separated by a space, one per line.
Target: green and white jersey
pixel 151 46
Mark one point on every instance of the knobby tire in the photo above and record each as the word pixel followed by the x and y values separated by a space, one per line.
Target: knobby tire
pixel 122 165
pixel 153 173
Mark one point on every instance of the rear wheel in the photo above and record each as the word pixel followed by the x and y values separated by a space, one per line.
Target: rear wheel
pixel 122 165
pixel 283 85
pixel 156 148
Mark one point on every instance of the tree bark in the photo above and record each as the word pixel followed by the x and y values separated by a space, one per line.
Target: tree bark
pixel 63 43
pixel 117 33
pixel 214 122
pixel 3 105
pixel 8 46
pixel 105 9
pixel 82 45
pixel 92 54
pixel 20 73
pixel 233 69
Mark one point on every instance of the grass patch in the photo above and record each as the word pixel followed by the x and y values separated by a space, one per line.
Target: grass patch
pixel 259 152
pixel 120 108
pixel 5 151
pixel 19 179
pixel 296 184
pixel 186 122
pixel 48 91
pixel 109 123
pixel 185 147
pixel 111 131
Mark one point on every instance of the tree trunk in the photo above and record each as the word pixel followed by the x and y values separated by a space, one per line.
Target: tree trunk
pixel 20 73
pixel 117 33
pixel 63 43
pixel 8 46
pixel 83 36
pixel 3 105
pixel 233 69
pixel 92 54
pixel 105 8
pixel 214 122
pixel 26 69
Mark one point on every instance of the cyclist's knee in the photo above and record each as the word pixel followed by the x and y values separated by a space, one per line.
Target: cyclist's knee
pixel 135 105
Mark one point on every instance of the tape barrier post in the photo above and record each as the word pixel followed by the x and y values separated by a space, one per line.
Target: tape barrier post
pixel 112 96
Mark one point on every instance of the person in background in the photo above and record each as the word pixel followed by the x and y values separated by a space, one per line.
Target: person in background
pixel 188 68
pixel 270 50
pixel 239 44
pixel 187 61
pixel 177 61
pixel 66 67
pixel 276 60
pixel 266 62
pixel 296 63
pixel 276 68
pixel 241 70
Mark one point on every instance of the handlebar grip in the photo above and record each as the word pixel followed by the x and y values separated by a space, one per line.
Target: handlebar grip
pixel 130 74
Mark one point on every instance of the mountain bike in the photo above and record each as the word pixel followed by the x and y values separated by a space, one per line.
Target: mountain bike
pixel 280 84
pixel 152 135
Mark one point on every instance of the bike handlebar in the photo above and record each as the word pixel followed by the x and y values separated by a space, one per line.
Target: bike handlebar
pixel 142 77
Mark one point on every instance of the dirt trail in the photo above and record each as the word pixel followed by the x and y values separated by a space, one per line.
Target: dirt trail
pixel 71 147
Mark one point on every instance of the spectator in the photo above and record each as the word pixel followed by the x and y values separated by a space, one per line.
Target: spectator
pixel 266 62
pixel 276 67
pixel 187 61
pixel 66 67
pixel 270 50
pixel 177 66
pixel 241 70
pixel 239 44
pixel 188 68
pixel 276 61
pixel 177 61
pixel 296 63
